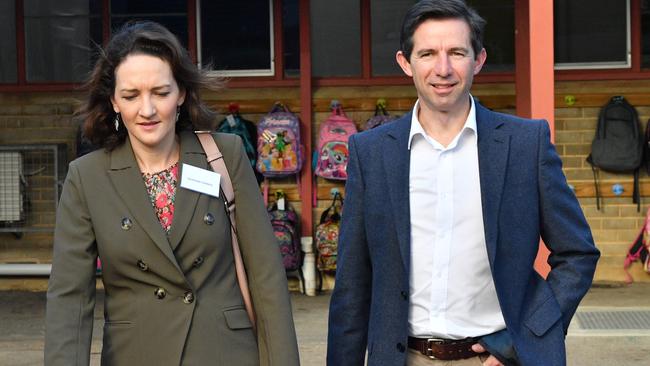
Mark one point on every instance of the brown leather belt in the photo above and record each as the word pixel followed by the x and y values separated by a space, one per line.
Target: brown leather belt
pixel 444 349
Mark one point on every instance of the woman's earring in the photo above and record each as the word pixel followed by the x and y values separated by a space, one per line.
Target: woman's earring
pixel 178 112
pixel 117 122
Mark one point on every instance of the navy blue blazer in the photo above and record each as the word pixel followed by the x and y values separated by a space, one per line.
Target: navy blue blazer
pixel 525 196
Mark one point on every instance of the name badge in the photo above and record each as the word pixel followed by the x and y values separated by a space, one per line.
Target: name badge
pixel 200 180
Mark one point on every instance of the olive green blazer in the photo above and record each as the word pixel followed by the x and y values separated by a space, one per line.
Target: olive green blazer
pixel 169 299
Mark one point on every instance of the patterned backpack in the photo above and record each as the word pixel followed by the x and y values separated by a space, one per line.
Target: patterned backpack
pixel 327 235
pixel 235 124
pixel 381 116
pixel 284 221
pixel 278 143
pixel 333 136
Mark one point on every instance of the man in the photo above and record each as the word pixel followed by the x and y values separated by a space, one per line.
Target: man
pixel 443 215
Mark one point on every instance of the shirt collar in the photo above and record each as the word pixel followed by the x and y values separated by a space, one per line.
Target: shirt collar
pixel 417 129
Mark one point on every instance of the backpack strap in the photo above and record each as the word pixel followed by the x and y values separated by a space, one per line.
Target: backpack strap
pixel 215 159
pixel 596 187
pixel 636 194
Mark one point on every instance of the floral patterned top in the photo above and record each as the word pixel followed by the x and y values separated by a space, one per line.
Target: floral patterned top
pixel 161 187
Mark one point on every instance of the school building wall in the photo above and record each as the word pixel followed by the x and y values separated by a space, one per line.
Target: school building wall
pixel 47 118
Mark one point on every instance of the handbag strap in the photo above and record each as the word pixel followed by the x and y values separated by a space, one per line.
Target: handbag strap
pixel 215 159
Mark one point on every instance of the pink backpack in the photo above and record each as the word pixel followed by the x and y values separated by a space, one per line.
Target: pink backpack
pixel 639 250
pixel 332 158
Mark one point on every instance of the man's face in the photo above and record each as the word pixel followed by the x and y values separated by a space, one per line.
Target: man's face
pixel 442 64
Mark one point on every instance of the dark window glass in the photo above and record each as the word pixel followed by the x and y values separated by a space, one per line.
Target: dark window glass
pixel 60 39
pixel 386 18
pixel 335 37
pixel 236 35
pixel 591 32
pixel 170 13
pixel 645 33
pixel 499 37
pixel 291 38
pixel 8 68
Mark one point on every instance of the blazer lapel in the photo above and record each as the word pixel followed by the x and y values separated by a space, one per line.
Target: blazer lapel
pixel 396 160
pixel 185 203
pixel 127 180
pixel 493 147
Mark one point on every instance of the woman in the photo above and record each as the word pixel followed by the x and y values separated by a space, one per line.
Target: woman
pixel 171 296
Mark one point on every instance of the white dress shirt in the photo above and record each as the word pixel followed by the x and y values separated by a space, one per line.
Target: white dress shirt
pixel 452 293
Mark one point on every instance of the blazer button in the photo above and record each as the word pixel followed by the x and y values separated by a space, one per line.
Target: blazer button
pixel 126 223
pixel 160 293
pixel 404 295
pixel 142 265
pixel 198 261
pixel 208 219
pixel 401 348
pixel 188 298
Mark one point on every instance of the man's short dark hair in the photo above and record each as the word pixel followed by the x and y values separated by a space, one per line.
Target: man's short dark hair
pixel 441 9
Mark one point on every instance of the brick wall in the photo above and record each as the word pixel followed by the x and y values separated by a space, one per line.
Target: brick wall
pixel 46 118
pixel 36 119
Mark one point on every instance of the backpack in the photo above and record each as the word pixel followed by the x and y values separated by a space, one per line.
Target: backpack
pixel 381 116
pixel 235 124
pixel 639 250
pixel 332 144
pixel 327 235
pixel 284 221
pixel 278 143
pixel 617 146
pixel 646 147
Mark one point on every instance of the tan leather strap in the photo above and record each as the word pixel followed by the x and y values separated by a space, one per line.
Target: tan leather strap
pixel 215 159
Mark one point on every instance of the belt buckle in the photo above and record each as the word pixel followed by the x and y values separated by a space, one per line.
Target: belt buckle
pixel 430 342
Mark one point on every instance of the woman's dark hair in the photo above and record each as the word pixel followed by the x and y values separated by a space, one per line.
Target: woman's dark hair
pixel 441 9
pixel 152 39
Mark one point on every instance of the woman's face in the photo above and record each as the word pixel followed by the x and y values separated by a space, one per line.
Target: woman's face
pixel 147 97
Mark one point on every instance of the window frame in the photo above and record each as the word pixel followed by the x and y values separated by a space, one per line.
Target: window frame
pixel 627 64
pixel 239 73
pixel 635 71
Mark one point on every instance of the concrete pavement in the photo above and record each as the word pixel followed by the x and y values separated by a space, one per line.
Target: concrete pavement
pixel 22 330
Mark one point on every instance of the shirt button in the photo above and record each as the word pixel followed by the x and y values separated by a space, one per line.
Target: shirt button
pixel 401 348
pixel 160 293
pixel 126 223
pixel 142 265
pixel 198 261
pixel 208 219
pixel 188 298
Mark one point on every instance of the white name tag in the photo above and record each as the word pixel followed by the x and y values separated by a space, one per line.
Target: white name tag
pixel 200 180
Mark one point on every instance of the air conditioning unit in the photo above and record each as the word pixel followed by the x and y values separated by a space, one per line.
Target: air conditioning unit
pixel 12 184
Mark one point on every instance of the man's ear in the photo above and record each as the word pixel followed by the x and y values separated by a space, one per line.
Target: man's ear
pixel 404 63
pixel 480 61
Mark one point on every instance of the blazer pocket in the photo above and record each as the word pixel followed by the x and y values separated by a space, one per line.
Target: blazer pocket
pixel 544 317
pixel 237 318
pixel 118 324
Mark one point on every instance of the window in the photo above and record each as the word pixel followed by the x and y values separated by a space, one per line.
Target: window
pixel 499 34
pixel 170 13
pixel 335 38
pixel 8 62
pixel 60 38
pixel 236 37
pixel 645 34
pixel 291 37
pixel 591 34
pixel 386 18
pixel 499 39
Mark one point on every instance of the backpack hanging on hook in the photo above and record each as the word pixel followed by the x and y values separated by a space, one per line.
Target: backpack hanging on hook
pixel 618 144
